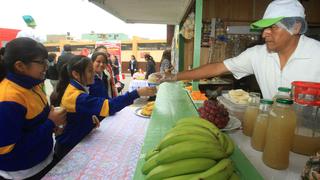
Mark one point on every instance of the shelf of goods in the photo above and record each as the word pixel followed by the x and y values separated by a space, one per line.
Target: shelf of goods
pixel 172 104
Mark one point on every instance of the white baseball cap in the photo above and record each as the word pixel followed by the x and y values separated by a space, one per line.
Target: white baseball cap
pixel 277 10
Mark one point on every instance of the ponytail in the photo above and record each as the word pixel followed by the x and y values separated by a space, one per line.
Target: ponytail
pixel 63 82
pixel 2 70
pixel 78 64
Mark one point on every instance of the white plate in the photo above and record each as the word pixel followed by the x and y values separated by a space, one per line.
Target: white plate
pixel 233 124
pixel 138 113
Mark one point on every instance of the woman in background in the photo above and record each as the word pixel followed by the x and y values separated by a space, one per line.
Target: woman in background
pixel 151 65
pixel 165 63
pixel 115 66
pixel 133 65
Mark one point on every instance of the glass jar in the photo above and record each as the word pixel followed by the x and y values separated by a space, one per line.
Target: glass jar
pixel 279 138
pixel 307 102
pixel 260 127
pixel 250 115
pixel 283 92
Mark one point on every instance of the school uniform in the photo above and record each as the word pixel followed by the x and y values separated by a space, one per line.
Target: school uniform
pixel 26 141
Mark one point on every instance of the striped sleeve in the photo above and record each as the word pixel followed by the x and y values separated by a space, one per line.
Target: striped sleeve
pixel 86 103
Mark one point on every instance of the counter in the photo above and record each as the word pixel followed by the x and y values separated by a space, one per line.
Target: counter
pixel 116 150
pixel 172 104
pixel 109 152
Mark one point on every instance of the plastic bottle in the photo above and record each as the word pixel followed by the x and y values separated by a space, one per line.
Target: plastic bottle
pixel 250 115
pixel 260 127
pixel 283 92
pixel 280 132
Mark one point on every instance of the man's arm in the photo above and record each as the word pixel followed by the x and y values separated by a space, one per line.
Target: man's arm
pixel 205 71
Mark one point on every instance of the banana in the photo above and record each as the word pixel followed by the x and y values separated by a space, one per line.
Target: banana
pixel 225 141
pixel 182 177
pixel 181 167
pixel 197 121
pixel 190 130
pixel 230 145
pixel 190 149
pixel 222 171
pixel 219 135
pixel 174 139
pixel 234 176
pixel 150 164
pixel 150 154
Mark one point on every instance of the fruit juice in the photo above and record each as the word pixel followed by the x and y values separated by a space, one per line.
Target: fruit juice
pixel 306 145
pixel 249 119
pixel 259 132
pixel 279 137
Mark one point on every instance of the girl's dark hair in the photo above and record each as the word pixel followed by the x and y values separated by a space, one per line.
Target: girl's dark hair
pixel 96 54
pixel 99 47
pixel 52 56
pixel 148 57
pixel 79 64
pixel 133 56
pixel 23 49
pixel 166 55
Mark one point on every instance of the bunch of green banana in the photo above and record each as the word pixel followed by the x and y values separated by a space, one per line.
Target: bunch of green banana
pixel 188 150
pixel 181 167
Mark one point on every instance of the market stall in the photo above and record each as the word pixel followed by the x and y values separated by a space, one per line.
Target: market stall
pixel 117 149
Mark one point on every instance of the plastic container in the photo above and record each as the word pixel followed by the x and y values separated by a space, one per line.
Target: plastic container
pixel 280 132
pixel 260 128
pixel 236 110
pixel 307 102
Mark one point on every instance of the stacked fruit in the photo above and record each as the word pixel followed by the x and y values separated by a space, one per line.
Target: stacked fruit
pixel 147 109
pixel 193 149
pixel 215 113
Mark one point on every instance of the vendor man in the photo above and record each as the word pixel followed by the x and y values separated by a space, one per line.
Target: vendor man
pixel 286 56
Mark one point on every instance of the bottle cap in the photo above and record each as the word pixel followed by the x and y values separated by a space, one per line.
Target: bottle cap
pixel 266 101
pixel 284 101
pixel 284 89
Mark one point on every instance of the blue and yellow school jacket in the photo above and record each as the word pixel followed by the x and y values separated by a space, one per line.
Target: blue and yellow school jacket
pixel 25 130
pixel 99 87
pixel 81 107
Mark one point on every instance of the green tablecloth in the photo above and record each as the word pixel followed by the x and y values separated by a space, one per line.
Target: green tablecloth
pixel 172 104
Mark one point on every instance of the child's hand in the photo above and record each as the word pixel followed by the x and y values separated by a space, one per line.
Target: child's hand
pixel 147 91
pixel 58 131
pixel 58 116
pixel 95 121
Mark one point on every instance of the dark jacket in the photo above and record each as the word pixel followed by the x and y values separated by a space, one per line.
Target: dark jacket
pixel 115 69
pixel 52 72
pixel 151 68
pixel 134 65
pixel 100 87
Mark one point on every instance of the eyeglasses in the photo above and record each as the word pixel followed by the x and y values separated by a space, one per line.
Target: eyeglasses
pixel 45 62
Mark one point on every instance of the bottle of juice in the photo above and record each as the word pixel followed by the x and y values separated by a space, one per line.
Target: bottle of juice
pixel 250 115
pixel 280 132
pixel 260 127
